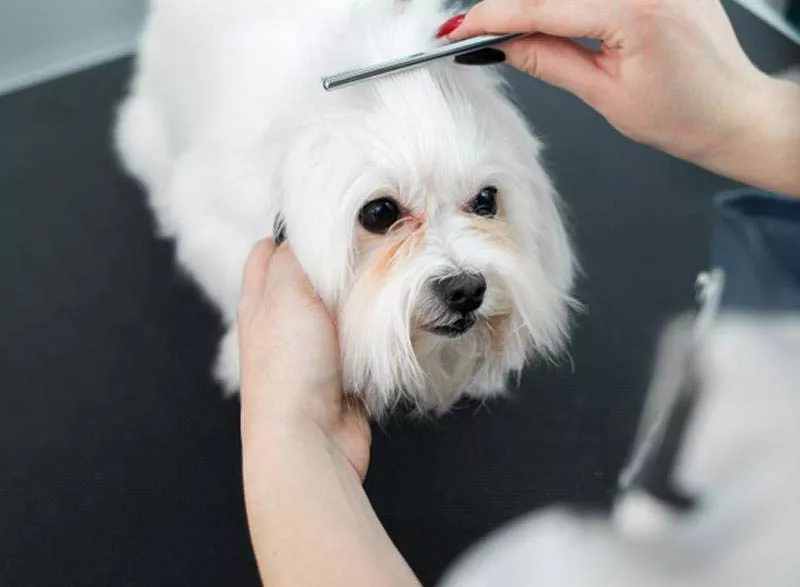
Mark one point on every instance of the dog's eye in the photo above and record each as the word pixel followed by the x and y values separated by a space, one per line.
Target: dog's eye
pixel 485 203
pixel 379 215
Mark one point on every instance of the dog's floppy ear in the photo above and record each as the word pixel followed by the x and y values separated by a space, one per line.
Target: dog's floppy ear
pixel 279 229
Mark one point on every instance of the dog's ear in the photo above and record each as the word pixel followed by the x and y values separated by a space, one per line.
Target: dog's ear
pixel 279 229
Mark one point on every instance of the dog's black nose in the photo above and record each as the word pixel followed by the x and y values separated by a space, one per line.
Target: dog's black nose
pixel 462 293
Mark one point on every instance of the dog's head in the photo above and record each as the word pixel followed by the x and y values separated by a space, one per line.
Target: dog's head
pixel 422 214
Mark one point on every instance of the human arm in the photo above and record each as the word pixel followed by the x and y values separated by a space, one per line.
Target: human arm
pixel 305 449
pixel 670 73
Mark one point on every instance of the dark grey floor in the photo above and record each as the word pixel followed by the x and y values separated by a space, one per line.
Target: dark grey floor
pixel 119 461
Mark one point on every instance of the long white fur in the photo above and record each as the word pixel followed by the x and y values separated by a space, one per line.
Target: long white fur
pixel 227 125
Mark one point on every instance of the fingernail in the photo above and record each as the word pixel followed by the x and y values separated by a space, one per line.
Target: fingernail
pixel 450 25
pixel 488 56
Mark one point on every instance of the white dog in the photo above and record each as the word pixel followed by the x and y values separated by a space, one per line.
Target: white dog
pixel 416 204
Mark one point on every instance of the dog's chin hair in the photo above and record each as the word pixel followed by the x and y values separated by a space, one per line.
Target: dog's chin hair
pixel 379 361
pixel 390 360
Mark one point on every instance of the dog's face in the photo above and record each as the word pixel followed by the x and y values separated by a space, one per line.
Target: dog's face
pixel 430 228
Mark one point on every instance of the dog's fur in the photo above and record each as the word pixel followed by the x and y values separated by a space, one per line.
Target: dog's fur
pixel 228 129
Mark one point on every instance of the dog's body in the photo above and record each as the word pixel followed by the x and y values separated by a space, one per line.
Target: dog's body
pixel 228 129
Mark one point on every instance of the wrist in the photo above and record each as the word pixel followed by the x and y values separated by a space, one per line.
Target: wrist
pixel 779 120
pixel 733 120
pixel 284 433
pixel 763 117
pixel 757 136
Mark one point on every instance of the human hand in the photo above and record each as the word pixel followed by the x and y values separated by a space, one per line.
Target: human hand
pixel 670 73
pixel 290 366
pixel 305 447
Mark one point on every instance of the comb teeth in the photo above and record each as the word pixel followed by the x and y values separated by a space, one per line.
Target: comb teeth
pixel 340 80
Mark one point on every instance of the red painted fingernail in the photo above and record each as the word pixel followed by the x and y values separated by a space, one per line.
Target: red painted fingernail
pixel 450 25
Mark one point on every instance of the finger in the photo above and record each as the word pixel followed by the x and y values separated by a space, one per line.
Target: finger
pixel 285 265
pixel 286 276
pixel 561 18
pixel 254 278
pixel 557 61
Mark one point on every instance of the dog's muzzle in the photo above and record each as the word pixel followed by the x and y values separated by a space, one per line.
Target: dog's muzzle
pixel 461 296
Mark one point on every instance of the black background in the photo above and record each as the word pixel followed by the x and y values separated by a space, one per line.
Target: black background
pixel 119 461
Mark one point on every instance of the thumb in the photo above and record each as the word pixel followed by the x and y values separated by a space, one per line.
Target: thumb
pixel 557 61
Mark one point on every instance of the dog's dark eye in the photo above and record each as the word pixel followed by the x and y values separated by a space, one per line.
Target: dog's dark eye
pixel 379 215
pixel 485 203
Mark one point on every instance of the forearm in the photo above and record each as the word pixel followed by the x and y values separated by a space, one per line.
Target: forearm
pixel 761 147
pixel 311 522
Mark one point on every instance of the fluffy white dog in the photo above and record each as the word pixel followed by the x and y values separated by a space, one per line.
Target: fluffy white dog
pixel 416 204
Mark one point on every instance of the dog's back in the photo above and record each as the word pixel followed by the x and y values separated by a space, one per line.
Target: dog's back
pixel 213 85
pixel 237 63
pixel 211 74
